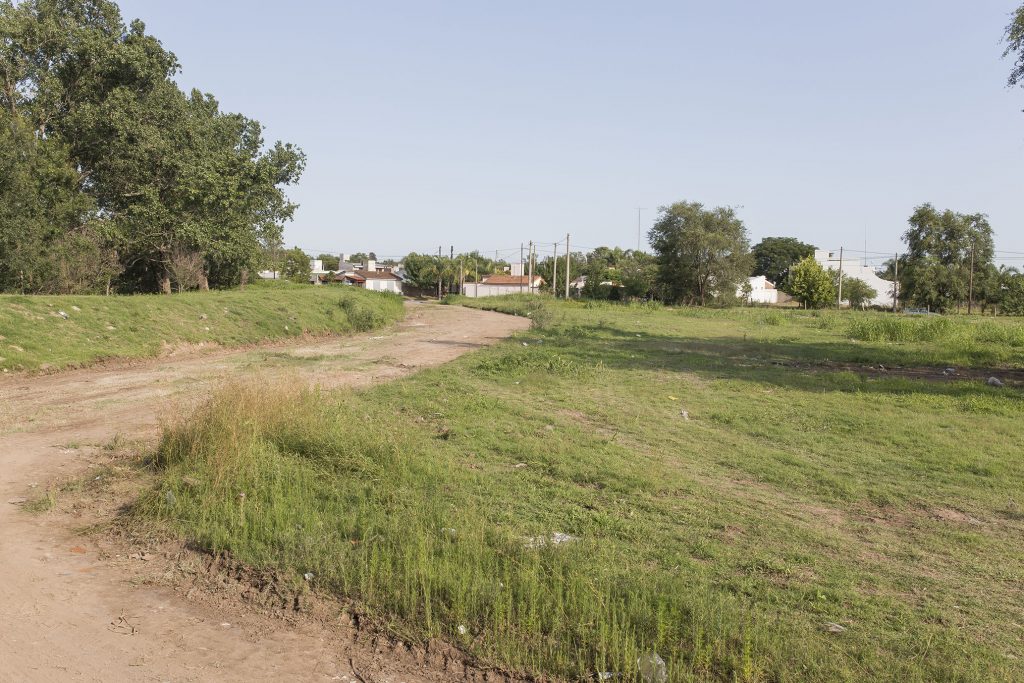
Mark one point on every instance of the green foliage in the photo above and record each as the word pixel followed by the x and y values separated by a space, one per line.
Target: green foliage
pixel 364 314
pixel 773 257
pixel 50 239
pixel 1012 292
pixel 617 274
pixel 425 271
pixel 35 334
pixel 155 174
pixel 1014 38
pixel 941 248
pixel 858 292
pixel 812 285
pixel 475 264
pixel 546 269
pixel 701 254
pixel 296 267
pixel 331 262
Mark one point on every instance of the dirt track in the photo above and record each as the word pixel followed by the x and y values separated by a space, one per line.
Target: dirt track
pixel 62 598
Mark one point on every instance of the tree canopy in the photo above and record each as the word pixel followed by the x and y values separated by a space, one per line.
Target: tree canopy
pixel 702 254
pixel 1011 297
pixel 330 262
pixel 858 292
pixel 942 247
pixel 773 257
pixel 812 285
pixel 615 273
pixel 1015 46
pixel 296 266
pixel 128 174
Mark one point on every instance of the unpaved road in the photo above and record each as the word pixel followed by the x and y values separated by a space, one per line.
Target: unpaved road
pixel 62 599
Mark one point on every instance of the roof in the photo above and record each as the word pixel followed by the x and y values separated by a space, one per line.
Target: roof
pixel 340 277
pixel 377 275
pixel 517 280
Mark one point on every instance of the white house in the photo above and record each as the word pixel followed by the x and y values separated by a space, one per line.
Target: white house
pixel 316 271
pixel 856 267
pixel 499 285
pixel 380 281
pixel 762 291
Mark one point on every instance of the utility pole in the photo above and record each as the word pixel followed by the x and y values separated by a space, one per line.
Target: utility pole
pixel 521 273
pixel 530 281
pixel 639 229
pixel 439 273
pixel 895 281
pixel 554 273
pixel 567 266
pixel 839 303
pixel 970 288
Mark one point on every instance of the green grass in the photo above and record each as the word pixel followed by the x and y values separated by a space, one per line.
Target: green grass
pixel 725 540
pixel 34 335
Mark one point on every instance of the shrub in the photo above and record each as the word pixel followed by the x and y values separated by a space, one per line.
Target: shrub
pixel 365 313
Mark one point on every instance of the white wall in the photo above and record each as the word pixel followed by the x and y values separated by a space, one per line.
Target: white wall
pixel 475 289
pixel 855 267
pixel 760 293
pixel 384 286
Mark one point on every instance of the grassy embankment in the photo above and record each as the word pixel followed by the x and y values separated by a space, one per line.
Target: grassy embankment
pixel 35 335
pixel 746 520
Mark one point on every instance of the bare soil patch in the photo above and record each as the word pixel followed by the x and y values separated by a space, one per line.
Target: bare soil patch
pixel 80 601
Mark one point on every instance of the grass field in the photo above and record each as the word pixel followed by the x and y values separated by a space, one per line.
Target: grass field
pixel 52 332
pixel 626 479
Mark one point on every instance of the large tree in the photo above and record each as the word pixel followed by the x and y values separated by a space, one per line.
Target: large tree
pixel 773 257
pixel 945 250
pixel 702 254
pixel 169 174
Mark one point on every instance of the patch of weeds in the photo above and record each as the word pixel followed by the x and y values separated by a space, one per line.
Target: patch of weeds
pixel 522 361
pixel 43 503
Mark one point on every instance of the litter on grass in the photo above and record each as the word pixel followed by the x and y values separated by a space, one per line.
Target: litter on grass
pixel 557 538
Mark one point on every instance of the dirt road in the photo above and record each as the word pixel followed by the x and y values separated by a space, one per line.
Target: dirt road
pixel 68 612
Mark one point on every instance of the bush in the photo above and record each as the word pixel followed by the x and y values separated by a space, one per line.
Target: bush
pixel 366 313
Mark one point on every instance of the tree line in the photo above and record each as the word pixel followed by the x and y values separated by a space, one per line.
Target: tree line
pixel 702 256
pixel 114 179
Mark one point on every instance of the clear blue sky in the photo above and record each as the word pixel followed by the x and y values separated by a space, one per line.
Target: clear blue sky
pixel 484 124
